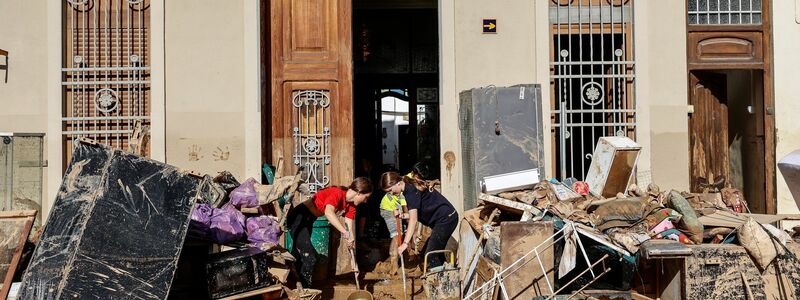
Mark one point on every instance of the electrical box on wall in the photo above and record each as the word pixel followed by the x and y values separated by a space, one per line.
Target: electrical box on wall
pixel 21 169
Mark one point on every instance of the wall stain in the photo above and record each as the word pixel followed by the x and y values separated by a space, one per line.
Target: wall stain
pixel 450 158
pixel 221 153
pixel 194 153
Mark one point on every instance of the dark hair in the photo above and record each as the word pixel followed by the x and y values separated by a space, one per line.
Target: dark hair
pixel 388 179
pixel 422 170
pixel 361 185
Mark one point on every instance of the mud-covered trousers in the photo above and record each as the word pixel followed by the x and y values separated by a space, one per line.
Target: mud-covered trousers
pixel 301 221
pixel 440 234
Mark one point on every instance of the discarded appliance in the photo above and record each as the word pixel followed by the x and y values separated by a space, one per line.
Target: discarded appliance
pixel 501 133
pixel 790 168
pixel 613 162
pixel 510 182
pixel 238 271
pixel 115 230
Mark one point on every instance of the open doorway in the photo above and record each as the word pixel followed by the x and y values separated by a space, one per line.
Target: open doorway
pixel 727 133
pixel 395 101
pixel 395 87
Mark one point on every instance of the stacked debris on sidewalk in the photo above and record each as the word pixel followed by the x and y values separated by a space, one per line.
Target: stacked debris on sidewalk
pixel 123 226
pixel 608 236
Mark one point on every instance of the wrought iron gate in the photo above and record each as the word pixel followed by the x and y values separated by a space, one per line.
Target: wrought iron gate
pixel 592 75
pixel 311 132
pixel 106 73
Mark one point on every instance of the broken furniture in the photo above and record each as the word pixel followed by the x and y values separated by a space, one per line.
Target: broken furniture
pixel 15 226
pixel 115 230
pixel 613 163
pixel 501 133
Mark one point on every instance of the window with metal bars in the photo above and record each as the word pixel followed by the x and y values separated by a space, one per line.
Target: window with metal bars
pixel 592 73
pixel 106 71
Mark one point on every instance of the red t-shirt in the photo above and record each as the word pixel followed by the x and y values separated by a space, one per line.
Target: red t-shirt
pixel 335 197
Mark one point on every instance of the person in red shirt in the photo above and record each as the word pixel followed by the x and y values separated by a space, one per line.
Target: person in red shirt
pixel 330 202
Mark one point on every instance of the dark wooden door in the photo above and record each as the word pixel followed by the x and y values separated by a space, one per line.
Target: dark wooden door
pixel 754 151
pixel 311 77
pixel 708 128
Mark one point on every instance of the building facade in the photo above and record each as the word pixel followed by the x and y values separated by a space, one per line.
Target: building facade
pixel 232 86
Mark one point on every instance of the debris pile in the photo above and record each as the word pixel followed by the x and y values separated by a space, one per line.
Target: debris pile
pixel 123 226
pixel 607 233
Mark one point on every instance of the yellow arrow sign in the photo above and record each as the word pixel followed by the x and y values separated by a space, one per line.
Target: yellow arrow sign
pixel 490 26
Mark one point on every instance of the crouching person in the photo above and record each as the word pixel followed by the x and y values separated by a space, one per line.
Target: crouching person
pixel 328 202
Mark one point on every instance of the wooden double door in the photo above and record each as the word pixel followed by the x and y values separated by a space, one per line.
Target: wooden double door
pixel 307 71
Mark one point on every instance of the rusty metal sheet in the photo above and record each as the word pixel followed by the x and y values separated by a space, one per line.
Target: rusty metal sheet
pixel 516 240
pixel 15 226
pixel 115 230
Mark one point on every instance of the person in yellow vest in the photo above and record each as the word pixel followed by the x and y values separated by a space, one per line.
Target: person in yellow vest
pixel 393 207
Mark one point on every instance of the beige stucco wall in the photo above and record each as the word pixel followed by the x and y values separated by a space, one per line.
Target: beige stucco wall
pixel 786 44
pixel 205 85
pixel 661 92
pixel 23 96
pixel 26 32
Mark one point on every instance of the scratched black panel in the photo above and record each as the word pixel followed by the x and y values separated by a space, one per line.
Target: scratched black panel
pixel 238 271
pixel 127 242
pixel 63 229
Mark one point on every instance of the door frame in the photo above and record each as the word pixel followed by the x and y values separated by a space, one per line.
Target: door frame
pixel 760 37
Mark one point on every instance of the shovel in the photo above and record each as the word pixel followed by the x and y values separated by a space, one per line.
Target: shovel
pixel 402 263
pixel 359 294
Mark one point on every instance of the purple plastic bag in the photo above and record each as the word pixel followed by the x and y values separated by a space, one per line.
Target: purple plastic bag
pixel 227 225
pixel 200 221
pixel 245 195
pixel 262 229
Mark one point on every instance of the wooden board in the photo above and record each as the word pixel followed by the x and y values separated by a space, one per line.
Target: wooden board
pixel 270 292
pixel 15 226
pixel 484 272
pixel 516 240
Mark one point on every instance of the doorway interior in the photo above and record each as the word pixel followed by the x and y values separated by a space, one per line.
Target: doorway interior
pixel 727 133
pixel 395 88
pixel 395 96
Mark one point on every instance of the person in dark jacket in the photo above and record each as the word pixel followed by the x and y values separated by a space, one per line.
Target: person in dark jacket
pixel 426 206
